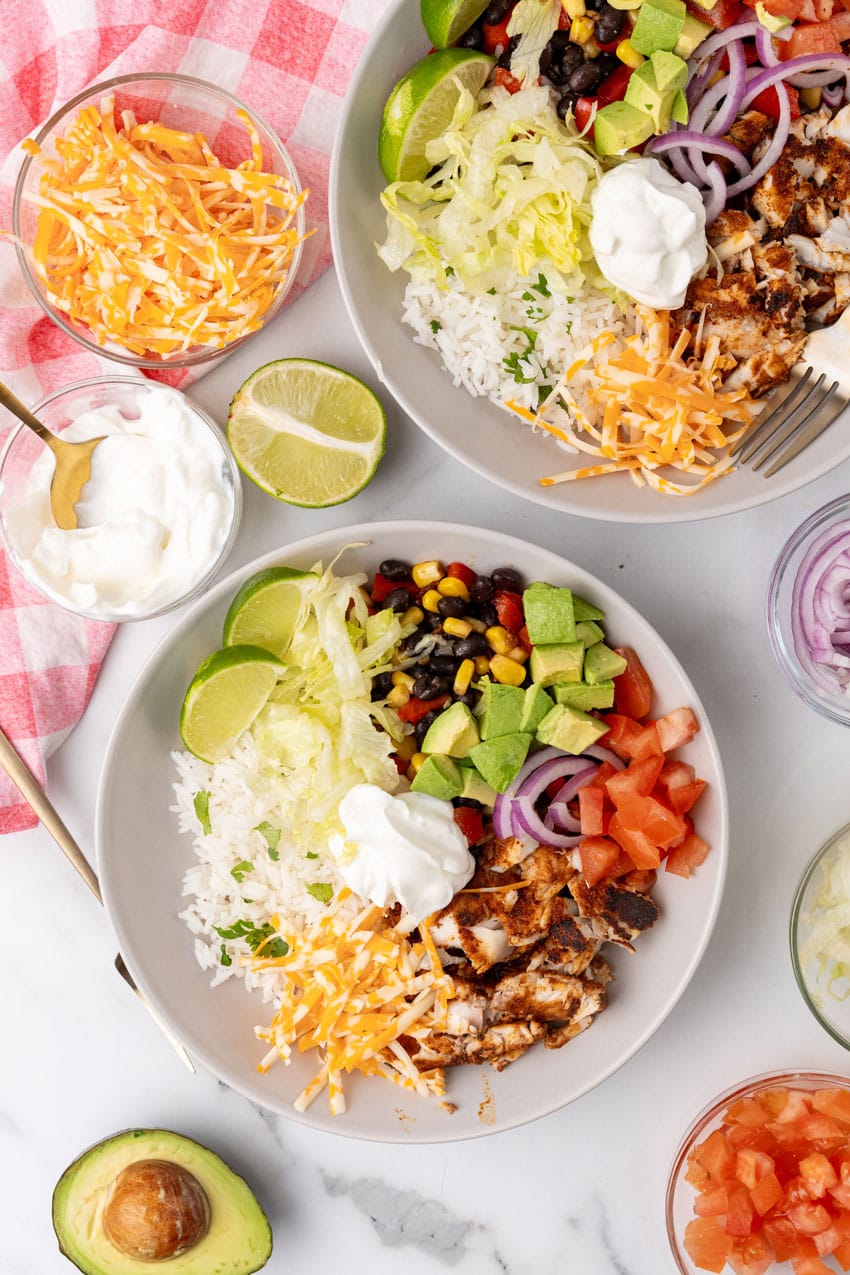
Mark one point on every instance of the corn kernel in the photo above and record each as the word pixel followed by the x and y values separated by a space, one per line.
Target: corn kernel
pixel 400 678
pixel 413 616
pixel 463 677
pixel 628 54
pixel 478 625
pixel 425 573
pixel 519 654
pixel 398 696
pixel 451 587
pixel 417 761
pixel 457 628
pixel 406 747
pixel 582 29
pixel 482 665
pixel 499 639
pixel 507 671
pixel 811 97
pixel 574 9
pixel 430 599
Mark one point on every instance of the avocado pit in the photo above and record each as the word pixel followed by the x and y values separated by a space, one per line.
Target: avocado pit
pixel 156 1210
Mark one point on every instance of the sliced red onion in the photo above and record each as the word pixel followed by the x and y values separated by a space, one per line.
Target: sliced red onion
pixel 721 40
pixel 699 141
pixel 527 820
pixel 698 83
pixel 820 609
pixel 839 63
pixel 601 753
pixel 764 44
pixel 834 94
pixel 558 814
pixel 718 107
pixel 716 195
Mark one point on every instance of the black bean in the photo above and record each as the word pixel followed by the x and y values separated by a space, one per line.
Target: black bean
pixel 472 39
pixel 420 730
pixel 488 615
pixel 451 607
pixel 428 686
pixel 468 699
pixel 382 684
pixel 507 54
pixel 394 569
pixel 551 55
pixel 608 64
pixel 432 621
pixel 609 23
pixel 481 589
pixel 496 10
pixel 507 578
pixel 445 665
pixel 566 102
pixel 398 599
pixel 585 78
pixel 468 801
pixel 467 648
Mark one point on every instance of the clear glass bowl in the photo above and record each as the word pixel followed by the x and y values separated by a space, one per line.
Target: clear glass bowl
pixel 825 989
pixel 681 1195
pixel 815 684
pixel 23 449
pixel 180 102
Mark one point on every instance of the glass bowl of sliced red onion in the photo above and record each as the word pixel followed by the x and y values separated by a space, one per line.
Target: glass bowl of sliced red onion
pixel 808 610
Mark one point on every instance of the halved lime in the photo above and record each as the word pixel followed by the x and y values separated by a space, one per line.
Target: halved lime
pixel 224 697
pixel 267 608
pixel 446 20
pixel 307 432
pixel 421 107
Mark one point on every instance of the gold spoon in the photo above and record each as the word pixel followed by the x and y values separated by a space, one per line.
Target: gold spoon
pixel 28 787
pixel 73 462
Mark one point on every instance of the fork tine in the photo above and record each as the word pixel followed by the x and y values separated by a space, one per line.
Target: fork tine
pixel 783 436
pixel 752 441
pixel 804 439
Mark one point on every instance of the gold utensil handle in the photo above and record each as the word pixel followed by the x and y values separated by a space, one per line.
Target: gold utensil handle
pixel 28 786
pixel 16 407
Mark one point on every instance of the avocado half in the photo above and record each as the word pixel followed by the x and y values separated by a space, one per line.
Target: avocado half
pixel 239 1239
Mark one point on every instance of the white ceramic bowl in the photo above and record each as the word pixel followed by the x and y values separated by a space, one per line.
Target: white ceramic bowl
pixel 478 434
pixel 142 859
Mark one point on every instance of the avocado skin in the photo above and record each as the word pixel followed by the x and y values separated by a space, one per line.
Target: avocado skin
pixel 140 1140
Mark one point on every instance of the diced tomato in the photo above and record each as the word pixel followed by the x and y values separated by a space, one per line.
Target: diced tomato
pixel 836 1104
pixel 788 1105
pixel 524 639
pixel 823 1130
pixel 643 852
pixel 647 743
pixel 507 81
pixel 690 854
pixel 840 23
pixel 750 1256
pixel 790 9
pixel 564 20
pixel 747 1111
pixel 415 709
pixel 639 778
pixel 460 571
pixel 720 16
pixel 809 1219
pixel 381 586
pixel 810 37
pixel 818 1174
pixel 766 1194
pixel 768 101
pixel 781 1237
pixel 471 823
pixel 841 1195
pixel 591 805
pixel 633 688
pixel 622 732
pixel 582 111
pixel 833 1237
pixel 509 609
pixel 604 771
pixel 707 1244
pixel 716 1155
pixel 623 867
pixel 751 1166
pixel 713 1203
pixel 739 1215
pixel 646 815
pixel 810 1266
pixel 496 35
pixel 613 89
pixel 676 728
pixel 599 857
pixel 679 786
pixel 842 1255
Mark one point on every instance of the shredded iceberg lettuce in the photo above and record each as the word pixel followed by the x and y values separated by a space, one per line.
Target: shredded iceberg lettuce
pixel 827 945
pixel 534 21
pixel 509 194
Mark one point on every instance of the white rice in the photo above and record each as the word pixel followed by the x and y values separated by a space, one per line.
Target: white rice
pixel 241 796
pixel 477 335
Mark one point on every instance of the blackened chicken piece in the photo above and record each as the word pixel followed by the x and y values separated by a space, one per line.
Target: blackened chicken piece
pixel 546 997
pixel 570 945
pixel 732 234
pixel 617 913
pixel 498 1045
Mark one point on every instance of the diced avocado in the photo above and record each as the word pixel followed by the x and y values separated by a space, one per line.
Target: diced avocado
pixel 570 729
pixel 454 732
pixel 583 695
pixel 643 94
pixel 659 25
pixel 586 610
pixel 498 760
pixel 476 788
pixel 589 633
pixel 619 127
pixel 561 663
pixel 773 22
pixel 679 111
pixel 670 71
pixel 549 615
pixel 500 710
pixel 111 1186
pixel 693 34
pixel 439 776
pixel 601 664
pixel 537 704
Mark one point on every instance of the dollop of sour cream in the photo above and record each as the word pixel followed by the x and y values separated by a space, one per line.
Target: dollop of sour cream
pixel 403 849
pixel 152 518
pixel 648 232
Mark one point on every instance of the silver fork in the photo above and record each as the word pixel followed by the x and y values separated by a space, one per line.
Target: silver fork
pixel 819 393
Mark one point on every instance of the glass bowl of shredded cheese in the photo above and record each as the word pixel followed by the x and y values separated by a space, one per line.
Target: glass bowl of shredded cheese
pixel 158 220
pixel 820 936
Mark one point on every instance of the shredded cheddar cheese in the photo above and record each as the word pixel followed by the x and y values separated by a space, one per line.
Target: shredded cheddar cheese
pixel 353 987
pixel 147 241
pixel 660 407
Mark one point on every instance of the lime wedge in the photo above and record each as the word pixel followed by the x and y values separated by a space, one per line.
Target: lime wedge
pixel 224 697
pixel 421 107
pixel 307 432
pixel 446 20
pixel 267 608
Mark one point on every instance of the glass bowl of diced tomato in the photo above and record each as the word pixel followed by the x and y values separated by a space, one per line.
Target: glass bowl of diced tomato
pixel 158 220
pixel 761 1181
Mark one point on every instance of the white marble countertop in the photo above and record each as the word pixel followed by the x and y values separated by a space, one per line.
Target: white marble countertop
pixel 582 1190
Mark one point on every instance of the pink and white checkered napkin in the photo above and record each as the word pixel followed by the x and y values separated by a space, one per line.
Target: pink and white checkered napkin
pixel 291 61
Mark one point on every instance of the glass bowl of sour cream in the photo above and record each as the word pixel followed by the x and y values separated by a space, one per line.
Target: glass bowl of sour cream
pixel 157 518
